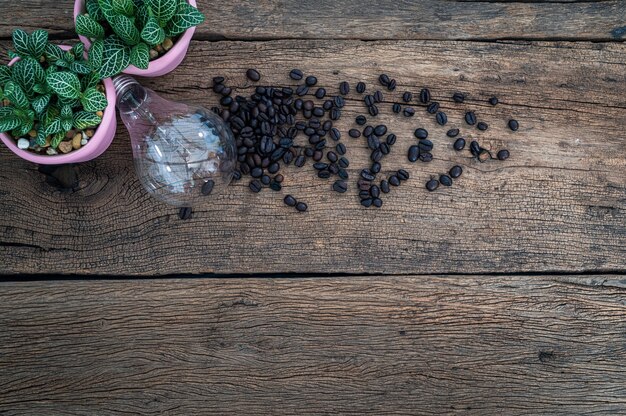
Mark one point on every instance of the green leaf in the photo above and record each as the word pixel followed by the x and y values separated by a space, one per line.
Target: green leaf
pixel 37 43
pixel 187 16
pixel 116 57
pixel 142 15
pixel 80 68
pixel 72 102
pixel 140 55
pixel 40 103
pixel 69 57
pixel 152 33
pixel 106 6
pixel 57 139
pixel 42 88
pixel 125 29
pixel 90 80
pixel 95 55
pixel 26 125
pixel 53 127
pixel 54 53
pixel 9 123
pixel 78 51
pixel 66 112
pixel 6 111
pixel 88 27
pixel 163 10
pixel 5 74
pixel 124 7
pixel 65 84
pixel 41 137
pixel 66 118
pixel 93 100
pixel 27 73
pixel 16 95
pixel 20 42
pixel 94 10
pixel 51 113
pixel 83 119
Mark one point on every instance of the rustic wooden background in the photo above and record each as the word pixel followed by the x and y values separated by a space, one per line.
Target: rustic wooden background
pixel 505 294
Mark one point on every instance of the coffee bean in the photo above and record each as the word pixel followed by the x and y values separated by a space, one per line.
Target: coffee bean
pixel 185 213
pixel 279 178
pixel 432 184
pixel 360 120
pixel 328 104
pixel 482 126
pixel 470 118
pixel 343 162
pixel 333 168
pixel 236 175
pixel 300 160
pixel 402 174
pixel 320 93
pixel 344 88
pixel 452 133
pixel 456 171
pixel 317 155
pixel 340 186
pixel 367 175
pixel 332 156
pixel 290 201
pixel 433 107
pixel 320 166
pixel 296 74
pixel 301 207
pixel 360 87
pixel 218 88
pixel 396 108
pixel 377 202
pixel 343 174
pixel 503 154
pixel 445 180
pixel 426 157
pixel 256 172
pixel 424 96
pixel 226 101
pixel 391 139
pixel 335 114
pixel 207 188
pixel 380 130
pixel 354 133
pixel 265 180
pixel 366 202
pixel 458 97
pixel 442 118
pixel 341 149
pixel 384 186
pixel 310 81
pixel 255 186
pixel 376 155
pixel 421 133
pixel 414 153
pixel 218 80
pixel 378 97
pixel 484 155
pixel 409 112
pixel 253 75
pixel 275 186
pixel 302 90
pixel 384 148
pixel 493 100
pixel 384 80
pixel 375 191
pixel 407 97
pixel 394 180
pixel 425 145
pixel 513 125
pixel 373 110
pixel 274 167
pixel 323 174
pixel 459 144
pixel 339 101
pixel 318 112
pixel 375 169
pixel 392 85
pixel 364 194
pixel 474 148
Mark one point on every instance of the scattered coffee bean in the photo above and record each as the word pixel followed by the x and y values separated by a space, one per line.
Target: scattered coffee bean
pixel 426 157
pixel 425 145
pixel 253 75
pixel 340 149
pixel 432 185
pixel 375 191
pixel 185 213
pixel 301 207
pixel 391 139
pixel 364 194
pixel 256 172
pixel 407 97
pixel 421 133
pixel 376 166
pixel 344 88
pixel 470 118
pixel 310 81
pixel 367 175
pixel 360 120
pixel 433 107
pixel 392 85
pixel 503 154
pixel 256 186
pixel 373 110
pixel 409 112
pixel 384 80
pixel 442 118
pixel 402 174
pixel 482 126
pixel 207 188
pixel 265 180
pixel 378 97
pixel 493 100
pixel 384 186
pixel 302 90
pixel 321 93
pixel 424 96
pixel 296 74
pixel 367 202
pixel 343 174
pixel 335 134
pixel 394 180
pixel 279 178
pixel 458 97
pixel 354 133
pixel 459 144
pixel 456 171
pixel 343 162
pixel 218 80
pixel 368 131
pixel 332 157
pixel 414 153
pixel 396 108
pixel 513 125
pixel 377 202
pixel 445 180
pixel 275 186
pixel 340 186
pixel 384 148
pixel 380 130
pixel 360 87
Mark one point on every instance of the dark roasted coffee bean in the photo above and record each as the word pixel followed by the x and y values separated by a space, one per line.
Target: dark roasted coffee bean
pixel 372 110
pixel 384 148
pixel 459 144
pixel 456 171
pixel 474 148
pixel 394 180
pixel 343 174
pixel 445 180
pixel 396 108
pixel 207 188
pixel 323 174
pixel 470 118
pixel 253 75
pixel 503 154
pixel 226 101
pixel 302 90
pixel 340 186
pixel 384 79
pixel 426 157
pixel 354 133
pixel 367 175
pixel 366 202
pixel 513 125
pixel 384 186
pixel 218 88
pixel 296 74
pixel 408 112
pixel 328 104
pixel 335 114
pixel 377 202
pixel 328 125
pixel 424 96
pixel 275 186
pixel 285 142
pixel 364 194
pixel 373 142
pixel 391 139
pixel 482 126
pixel 407 97
pixel 380 130
pixel 236 175
pixel 458 97
pixel 256 172
pixel 452 133
pixel 375 167
pixel 375 191
pixel 227 91
pixel 300 160
pixel 309 105
pixel 333 168
pixel 255 186
pixel 344 88
pixel 290 200
pixel 311 80
pixel 274 167
pixel 339 101
pixel 279 178
pixel 360 120
pixel 368 131
pixel 414 153
pixel 185 213
pixel 378 97
pixel 442 118
pixel 369 100
pixel 318 112
pixel 433 107
pixel 317 155
pixel 301 206
pixel 218 80
pixel 308 152
pixel 376 155
pixel 432 184
pixel 321 145
pixel 421 133
pixel 265 180
pixel 493 100
pixel 402 174
pixel 320 93
pixel 425 145
pixel 340 149
pixel 360 87
pixel 392 85
pixel 288 157
pixel 343 162
pixel 484 155
pixel 335 134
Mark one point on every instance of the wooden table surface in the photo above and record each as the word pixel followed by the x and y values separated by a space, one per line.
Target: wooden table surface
pixel 505 294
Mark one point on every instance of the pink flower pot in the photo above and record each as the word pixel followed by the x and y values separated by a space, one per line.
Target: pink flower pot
pixel 97 144
pixel 160 66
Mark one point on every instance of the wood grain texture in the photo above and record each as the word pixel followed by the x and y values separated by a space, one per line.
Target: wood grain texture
pixel 481 345
pixel 369 19
pixel 559 203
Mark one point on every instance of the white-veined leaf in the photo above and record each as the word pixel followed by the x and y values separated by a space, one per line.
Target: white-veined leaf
pixel 116 57
pixel 16 95
pixel 88 27
pixel 152 33
pixel 83 119
pixel 37 42
pixel 187 16
pixel 65 84
pixel 93 100
pixel 140 55
pixel 20 42
pixel 162 10
pixel 125 28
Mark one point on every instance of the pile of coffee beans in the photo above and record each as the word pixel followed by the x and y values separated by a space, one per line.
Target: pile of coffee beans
pixel 269 123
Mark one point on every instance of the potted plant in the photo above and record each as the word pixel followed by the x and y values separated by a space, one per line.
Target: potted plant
pixel 55 107
pixel 138 37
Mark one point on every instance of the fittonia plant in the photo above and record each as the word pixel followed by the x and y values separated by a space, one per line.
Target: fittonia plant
pixel 48 92
pixel 127 32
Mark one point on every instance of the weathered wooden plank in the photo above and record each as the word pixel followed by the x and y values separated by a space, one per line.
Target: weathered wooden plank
pixel 480 345
pixel 558 204
pixel 369 19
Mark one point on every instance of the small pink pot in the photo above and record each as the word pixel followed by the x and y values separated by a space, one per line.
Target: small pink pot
pixel 160 66
pixel 100 141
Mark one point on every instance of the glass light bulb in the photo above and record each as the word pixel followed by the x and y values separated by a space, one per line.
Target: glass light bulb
pixel 182 152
